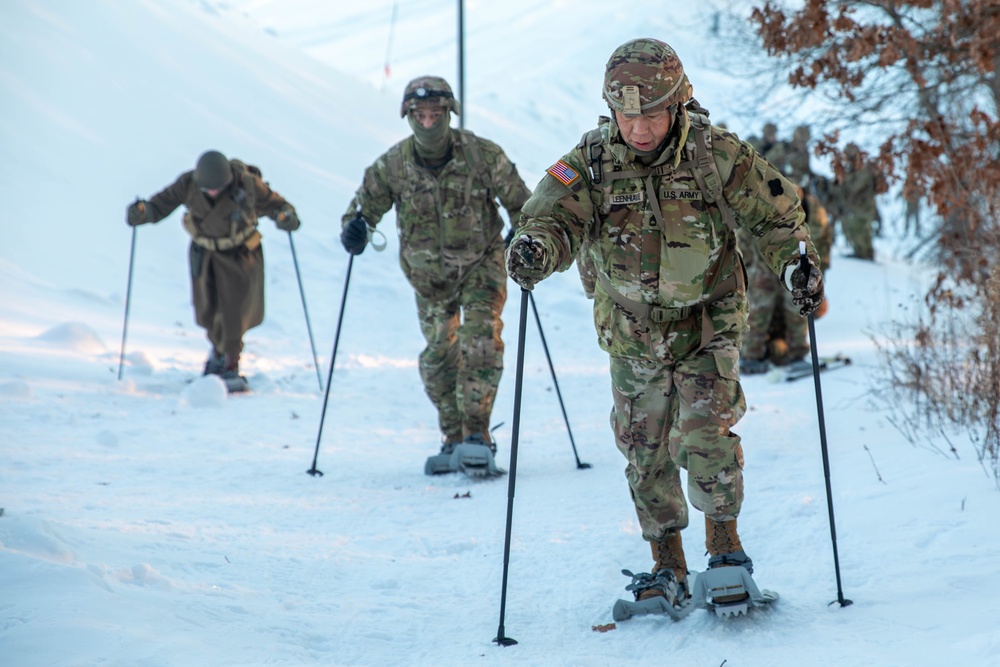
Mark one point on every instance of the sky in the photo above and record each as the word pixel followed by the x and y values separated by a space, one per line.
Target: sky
pixel 155 521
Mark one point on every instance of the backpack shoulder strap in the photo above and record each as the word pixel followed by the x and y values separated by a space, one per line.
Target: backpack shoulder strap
pixel 704 168
pixel 474 157
pixel 246 196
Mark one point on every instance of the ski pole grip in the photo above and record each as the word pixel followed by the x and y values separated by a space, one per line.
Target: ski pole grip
pixel 803 258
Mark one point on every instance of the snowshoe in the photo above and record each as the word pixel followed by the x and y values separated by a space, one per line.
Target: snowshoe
pixel 803 368
pixel 235 383
pixel 215 364
pixel 729 590
pixel 473 456
pixel 670 597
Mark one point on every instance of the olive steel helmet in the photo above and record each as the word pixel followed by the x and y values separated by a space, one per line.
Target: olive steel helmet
pixel 431 89
pixel 644 75
pixel 213 171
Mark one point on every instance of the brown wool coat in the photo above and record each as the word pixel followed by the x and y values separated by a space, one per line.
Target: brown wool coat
pixel 227 287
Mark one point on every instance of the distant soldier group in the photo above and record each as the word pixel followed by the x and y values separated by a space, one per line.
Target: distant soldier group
pixel 849 200
pixel 778 336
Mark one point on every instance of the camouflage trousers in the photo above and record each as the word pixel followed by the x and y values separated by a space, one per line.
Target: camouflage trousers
pixel 672 416
pixel 770 302
pixel 858 230
pixel 463 361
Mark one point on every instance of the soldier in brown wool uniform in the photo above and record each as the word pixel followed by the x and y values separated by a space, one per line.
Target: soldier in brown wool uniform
pixel 445 183
pixel 656 193
pixel 224 198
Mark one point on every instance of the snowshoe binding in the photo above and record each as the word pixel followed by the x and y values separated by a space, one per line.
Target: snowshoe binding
pixel 215 364
pixel 655 593
pixel 473 457
pixel 729 590
pixel 235 383
pixel 726 587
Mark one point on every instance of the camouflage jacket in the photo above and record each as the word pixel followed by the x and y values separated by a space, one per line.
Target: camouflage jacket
pixel 686 264
pixel 230 217
pixel 820 231
pixel 447 220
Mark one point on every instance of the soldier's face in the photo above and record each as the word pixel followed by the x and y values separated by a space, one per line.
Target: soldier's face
pixel 428 116
pixel 646 132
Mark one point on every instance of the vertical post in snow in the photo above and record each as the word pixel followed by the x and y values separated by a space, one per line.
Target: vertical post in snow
pixel 461 62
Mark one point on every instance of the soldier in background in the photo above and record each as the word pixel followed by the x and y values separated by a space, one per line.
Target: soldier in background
pixel 444 183
pixel 798 168
pixel 767 141
pixel 857 197
pixel 669 304
pixel 224 198
pixel 778 334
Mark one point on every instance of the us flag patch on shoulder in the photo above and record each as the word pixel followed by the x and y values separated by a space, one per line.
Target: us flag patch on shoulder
pixel 564 173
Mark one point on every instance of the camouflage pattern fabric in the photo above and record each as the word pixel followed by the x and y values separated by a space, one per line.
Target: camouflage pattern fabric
pixel 857 194
pixel 676 265
pixel 672 416
pixel 445 228
pixel 588 274
pixel 451 251
pixel 770 301
pixel 654 69
pixel 463 361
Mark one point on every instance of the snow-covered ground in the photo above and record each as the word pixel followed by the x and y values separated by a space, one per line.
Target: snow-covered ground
pixel 155 521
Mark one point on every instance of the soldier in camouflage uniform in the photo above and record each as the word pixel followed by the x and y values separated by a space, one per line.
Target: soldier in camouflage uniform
pixel 798 156
pixel 777 333
pixel 444 183
pixel 857 196
pixel 223 198
pixel 657 192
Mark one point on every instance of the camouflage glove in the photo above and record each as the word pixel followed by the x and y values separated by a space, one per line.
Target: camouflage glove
pixel 807 290
pixel 526 261
pixel 355 235
pixel 287 220
pixel 137 213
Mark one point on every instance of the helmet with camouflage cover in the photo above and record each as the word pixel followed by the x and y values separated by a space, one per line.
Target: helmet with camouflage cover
pixel 645 75
pixel 432 89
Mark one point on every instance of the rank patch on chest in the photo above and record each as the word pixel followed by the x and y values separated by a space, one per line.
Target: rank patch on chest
pixel 687 195
pixel 564 173
pixel 625 198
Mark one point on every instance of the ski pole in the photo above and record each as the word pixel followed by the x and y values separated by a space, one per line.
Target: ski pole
pixel 128 299
pixel 555 382
pixel 336 339
pixel 804 265
pixel 502 639
pixel 305 309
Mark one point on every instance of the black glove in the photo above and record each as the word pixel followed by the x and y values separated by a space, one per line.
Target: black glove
pixel 137 213
pixel 287 220
pixel 807 290
pixel 354 236
pixel 526 261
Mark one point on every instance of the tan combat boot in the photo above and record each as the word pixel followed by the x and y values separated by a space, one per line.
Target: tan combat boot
pixel 724 548
pixel 668 554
